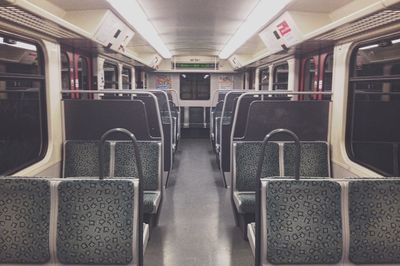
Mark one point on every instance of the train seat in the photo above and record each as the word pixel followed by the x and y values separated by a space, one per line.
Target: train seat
pixel 24 221
pixel 351 221
pixel 150 153
pixel 314 159
pixel 301 222
pixel 81 159
pixel 315 162
pixel 374 211
pixel 97 222
pixel 246 156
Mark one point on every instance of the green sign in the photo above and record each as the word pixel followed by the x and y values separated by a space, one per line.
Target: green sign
pixel 197 65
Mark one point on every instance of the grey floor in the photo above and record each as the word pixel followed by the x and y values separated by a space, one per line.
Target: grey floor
pixel 196 224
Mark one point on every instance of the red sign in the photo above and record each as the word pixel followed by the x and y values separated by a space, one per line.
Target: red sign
pixel 284 28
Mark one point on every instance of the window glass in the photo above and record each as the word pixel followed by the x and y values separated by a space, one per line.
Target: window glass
pixel 83 74
pixel 373 128
pixel 264 79
pixel 23 134
pixel 195 86
pixel 65 72
pixel 281 76
pixel 126 78
pixel 328 72
pixel 309 75
pixel 110 76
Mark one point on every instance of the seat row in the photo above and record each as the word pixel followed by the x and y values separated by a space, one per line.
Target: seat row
pixel 279 160
pixel 319 221
pixel 81 159
pixel 77 221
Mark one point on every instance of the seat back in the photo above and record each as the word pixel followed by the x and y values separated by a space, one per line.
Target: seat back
pixel 81 158
pixel 246 156
pixel 125 162
pixel 301 222
pixel 97 222
pixel 24 221
pixel 314 159
pixel 374 211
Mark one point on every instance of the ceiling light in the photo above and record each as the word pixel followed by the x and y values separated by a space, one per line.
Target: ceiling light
pixel 206 76
pixel 263 12
pixel 135 16
pixel 21 45
pixel 369 47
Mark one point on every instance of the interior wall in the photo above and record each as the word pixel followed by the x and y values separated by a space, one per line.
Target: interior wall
pixel 215 84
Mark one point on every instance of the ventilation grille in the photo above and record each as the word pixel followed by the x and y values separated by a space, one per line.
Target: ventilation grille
pixel 371 22
pixel 18 16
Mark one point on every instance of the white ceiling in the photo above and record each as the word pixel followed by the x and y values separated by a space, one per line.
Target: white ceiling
pixel 199 27
pixel 196 27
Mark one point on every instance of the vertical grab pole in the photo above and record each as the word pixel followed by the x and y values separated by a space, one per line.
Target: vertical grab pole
pixel 258 178
pixel 140 176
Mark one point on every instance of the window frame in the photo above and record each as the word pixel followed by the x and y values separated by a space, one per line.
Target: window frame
pixel 261 84
pixel 129 69
pixel 42 99
pixel 353 79
pixel 194 90
pixel 274 77
pixel 116 82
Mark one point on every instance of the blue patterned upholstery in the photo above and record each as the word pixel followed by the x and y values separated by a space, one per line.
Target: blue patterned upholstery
pixel 95 222
pixel 81 158
pixel 314 159
pixel 247 154
pixel 24 221
pixel 125 162
pixel 374 210
pixel 304 223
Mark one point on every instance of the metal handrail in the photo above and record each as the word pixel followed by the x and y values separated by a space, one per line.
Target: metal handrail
pixel 140 177
pixel 259 188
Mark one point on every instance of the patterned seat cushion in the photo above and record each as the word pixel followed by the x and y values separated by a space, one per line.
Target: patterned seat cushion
pixel 314 159
pixel 246 202
pixel 304 224
pixel 150 202
pixel 125 162
pixel 374 210
pixel 24 221
pixel 95 222
pixel 247 154
pixel 81 158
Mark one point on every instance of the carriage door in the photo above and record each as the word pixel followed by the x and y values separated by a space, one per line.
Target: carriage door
pixel 316 75
pixel 76 73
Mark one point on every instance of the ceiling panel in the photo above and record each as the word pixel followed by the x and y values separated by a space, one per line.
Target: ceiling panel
pixel 319 6
pixel 69 5
pixel 195 26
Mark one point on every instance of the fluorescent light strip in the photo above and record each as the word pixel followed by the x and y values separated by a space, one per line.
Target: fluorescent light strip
pixel 264 11
pixel 134 14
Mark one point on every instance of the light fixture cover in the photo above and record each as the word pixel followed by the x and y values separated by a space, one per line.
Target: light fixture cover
pixel 133 13
pixel 263 12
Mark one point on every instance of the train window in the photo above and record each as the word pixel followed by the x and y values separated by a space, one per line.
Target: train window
pixel 264 79
pixel 195 86
pixel 373 128
pixel 23 134
pixel 65 72
pixel 126 78
pixel 83 74
pixel 309 77
pixel 281 77
pixel 110 76
pixel 328 71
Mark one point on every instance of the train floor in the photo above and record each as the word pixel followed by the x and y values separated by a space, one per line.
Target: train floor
pixel 196 225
